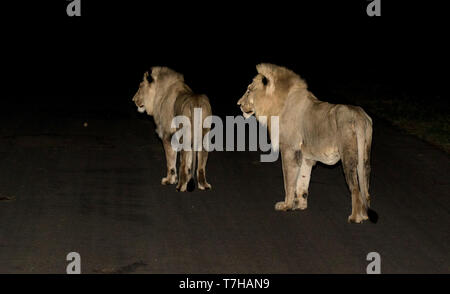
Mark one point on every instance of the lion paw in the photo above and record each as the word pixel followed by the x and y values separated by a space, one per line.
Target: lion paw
pixel 356 219
pixel 205 186
pixel 300 204
pixel 281 206
pixel 170 180
pixel 181 188
pixel 364 216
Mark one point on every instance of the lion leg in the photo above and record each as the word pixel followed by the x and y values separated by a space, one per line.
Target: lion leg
pixel 349 163
pixel 290 173
pixel 303 179
pixel 367 175
pixel 367 167
pixel 185 170
pixel 171 161
pixel 201 170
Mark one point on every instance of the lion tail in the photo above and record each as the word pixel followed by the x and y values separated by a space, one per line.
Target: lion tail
pixel 196 130
pixel 364 139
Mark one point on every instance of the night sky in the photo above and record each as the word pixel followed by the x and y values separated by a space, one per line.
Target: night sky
pixel 103 54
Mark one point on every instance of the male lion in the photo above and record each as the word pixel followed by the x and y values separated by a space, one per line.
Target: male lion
pixel 165 97
pixel 312 130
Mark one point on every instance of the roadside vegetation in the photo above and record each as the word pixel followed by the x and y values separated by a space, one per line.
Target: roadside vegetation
pixel 424 115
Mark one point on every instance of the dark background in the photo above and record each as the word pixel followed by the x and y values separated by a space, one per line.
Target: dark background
pixel 80 168
pixel 100 57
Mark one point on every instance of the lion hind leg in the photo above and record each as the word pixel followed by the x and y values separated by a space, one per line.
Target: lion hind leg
pixel 185 176
pixel 364 172
pixel 201 170
pixel 350 166
pixel 364 138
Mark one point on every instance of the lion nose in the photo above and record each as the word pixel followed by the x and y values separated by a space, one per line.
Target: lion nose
pixel 239 102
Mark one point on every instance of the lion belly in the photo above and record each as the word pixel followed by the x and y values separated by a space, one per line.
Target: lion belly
pixel 330 158
pixel 327 156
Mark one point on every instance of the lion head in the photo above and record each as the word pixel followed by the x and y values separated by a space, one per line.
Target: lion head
pixel 159 79
pixel 145 95
pixel 270 87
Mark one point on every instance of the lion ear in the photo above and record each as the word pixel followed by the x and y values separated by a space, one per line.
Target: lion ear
pixel 264 80
pixel 145 78
pixel 155 72
pixel 266 70
pixel 268 78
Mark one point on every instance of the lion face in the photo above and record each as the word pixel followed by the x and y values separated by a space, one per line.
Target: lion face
pixel 254 97
pixel 145 95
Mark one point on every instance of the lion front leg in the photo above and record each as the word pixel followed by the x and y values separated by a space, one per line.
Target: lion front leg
pixel 290 172
pixel 171 161
pixel 303 179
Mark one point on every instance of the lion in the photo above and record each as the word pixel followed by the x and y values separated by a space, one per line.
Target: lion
pixel 164 95
pixel 311 130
